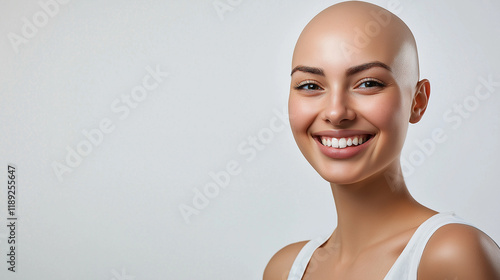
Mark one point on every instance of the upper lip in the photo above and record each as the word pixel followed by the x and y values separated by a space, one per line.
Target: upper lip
pixel 344 133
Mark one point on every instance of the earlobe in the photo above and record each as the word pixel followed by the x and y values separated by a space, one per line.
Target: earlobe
pixel 420 100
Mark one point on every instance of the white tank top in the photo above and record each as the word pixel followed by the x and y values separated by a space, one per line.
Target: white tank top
pixel 406 265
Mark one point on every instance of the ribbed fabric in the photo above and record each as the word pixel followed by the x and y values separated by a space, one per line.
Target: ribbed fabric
pixel 406 265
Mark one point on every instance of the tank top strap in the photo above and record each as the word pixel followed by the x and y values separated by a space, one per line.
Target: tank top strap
pixel 406 265
pixel 302 260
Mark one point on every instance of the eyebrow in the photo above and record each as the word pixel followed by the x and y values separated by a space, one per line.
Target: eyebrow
pixel 351 71
pixel 308 69
pixel 356 69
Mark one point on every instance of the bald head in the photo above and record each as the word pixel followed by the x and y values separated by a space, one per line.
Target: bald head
pixel 355 33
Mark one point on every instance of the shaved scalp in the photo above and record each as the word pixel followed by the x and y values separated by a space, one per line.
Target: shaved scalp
pixel 356 31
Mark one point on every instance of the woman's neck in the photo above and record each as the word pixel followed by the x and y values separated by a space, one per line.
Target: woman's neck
pixel 371 211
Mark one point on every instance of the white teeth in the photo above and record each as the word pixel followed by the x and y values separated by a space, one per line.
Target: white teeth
pixel 341 143
pixel 335 143
pixel 349 142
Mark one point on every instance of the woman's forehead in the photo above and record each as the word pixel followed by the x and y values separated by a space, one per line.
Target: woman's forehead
pixel 346 35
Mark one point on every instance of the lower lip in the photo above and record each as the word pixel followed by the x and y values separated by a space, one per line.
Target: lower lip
pixel 345 153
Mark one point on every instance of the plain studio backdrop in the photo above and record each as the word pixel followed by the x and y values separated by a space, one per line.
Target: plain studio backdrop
pixel 150 138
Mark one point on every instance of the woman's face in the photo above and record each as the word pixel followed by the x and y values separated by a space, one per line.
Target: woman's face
pixel 349 114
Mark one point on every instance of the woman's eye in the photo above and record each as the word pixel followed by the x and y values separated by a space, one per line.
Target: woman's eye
pixel 308 86
pixel 370 84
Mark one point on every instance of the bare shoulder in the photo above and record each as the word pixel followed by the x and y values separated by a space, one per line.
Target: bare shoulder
pixel 280 264
pixel 457 251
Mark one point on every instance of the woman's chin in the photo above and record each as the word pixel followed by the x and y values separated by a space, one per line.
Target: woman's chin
pixel 340 179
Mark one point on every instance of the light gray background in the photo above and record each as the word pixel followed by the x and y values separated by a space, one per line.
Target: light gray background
pixel 117 214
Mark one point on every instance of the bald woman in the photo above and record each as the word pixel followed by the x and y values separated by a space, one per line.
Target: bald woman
pixel 355 88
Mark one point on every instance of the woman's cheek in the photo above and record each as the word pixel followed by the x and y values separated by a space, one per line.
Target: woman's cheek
pixel 301 114
pixel 391 120
pixel 386 110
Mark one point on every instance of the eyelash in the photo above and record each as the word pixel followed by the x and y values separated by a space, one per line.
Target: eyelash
pixel 377 83
pixel 300 85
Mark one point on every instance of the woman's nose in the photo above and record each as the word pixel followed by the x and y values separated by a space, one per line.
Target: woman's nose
pixel 338 109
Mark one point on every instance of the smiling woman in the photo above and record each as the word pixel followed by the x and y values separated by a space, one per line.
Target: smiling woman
pixel 349 113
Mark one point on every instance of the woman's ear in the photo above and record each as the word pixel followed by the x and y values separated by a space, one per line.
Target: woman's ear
pixel 420 100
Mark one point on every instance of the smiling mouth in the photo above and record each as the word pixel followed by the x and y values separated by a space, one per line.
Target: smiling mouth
pixel 342 143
